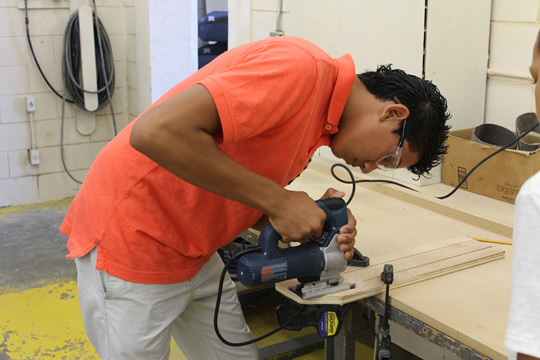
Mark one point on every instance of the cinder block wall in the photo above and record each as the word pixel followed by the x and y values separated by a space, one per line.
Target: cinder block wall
pixel 21 182
pixel 154 46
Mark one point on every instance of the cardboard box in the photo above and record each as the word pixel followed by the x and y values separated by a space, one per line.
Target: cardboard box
pixel 500 177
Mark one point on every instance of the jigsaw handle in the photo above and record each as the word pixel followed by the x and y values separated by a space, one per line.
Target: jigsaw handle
pixel 336 217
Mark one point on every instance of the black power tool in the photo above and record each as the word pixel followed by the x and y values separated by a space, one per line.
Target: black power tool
pixel 316 264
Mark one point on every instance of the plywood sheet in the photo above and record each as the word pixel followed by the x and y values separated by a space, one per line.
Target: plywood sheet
pixel 410 266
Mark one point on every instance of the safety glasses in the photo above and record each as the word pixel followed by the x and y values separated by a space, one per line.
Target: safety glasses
pixel 392 160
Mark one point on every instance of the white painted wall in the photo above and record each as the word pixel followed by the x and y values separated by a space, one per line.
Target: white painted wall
pixel 514 26
pixel 477 52
pixel 378 32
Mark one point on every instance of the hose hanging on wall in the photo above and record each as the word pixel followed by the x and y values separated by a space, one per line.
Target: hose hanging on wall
pixel 71 63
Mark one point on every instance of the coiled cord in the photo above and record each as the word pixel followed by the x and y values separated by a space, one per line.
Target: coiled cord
pixel 71 63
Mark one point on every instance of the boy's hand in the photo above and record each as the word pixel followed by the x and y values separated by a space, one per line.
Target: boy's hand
pixel 347 232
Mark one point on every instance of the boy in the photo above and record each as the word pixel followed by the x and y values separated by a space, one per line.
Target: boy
pixel 209 160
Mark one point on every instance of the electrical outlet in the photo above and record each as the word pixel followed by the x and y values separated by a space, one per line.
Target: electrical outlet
pixel 34 156
pixel 30 103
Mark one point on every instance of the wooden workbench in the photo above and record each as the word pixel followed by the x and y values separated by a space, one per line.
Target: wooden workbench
pixel 469 306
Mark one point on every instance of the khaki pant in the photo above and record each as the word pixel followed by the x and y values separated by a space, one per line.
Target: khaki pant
pixel 126 320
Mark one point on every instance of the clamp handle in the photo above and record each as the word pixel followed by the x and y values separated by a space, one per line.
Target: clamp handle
pixel 383 340
pixel 387 275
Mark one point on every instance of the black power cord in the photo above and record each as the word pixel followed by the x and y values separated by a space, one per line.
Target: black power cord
pixel 34 55
pixel 218 301
pixel 353 182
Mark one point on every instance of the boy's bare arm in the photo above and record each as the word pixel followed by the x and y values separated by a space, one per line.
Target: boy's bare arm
pixel 177 134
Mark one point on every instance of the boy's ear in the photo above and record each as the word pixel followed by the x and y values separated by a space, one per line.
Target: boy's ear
pixel 396 111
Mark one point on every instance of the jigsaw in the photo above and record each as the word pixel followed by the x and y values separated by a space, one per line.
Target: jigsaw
pixel 316 264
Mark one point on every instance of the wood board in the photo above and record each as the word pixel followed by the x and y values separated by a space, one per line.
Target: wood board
pixel 410 266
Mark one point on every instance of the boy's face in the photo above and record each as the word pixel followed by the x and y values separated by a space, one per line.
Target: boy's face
pixel 535 72
pixel 362 143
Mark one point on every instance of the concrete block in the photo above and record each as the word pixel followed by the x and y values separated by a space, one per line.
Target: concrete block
pixel 80 157
pixel 69 109
pixel 14 51
pixel 58 42
pixel 104 4
pixel 122 120
pixel 49 162
pixel 511 47
pixel 271 5
pixel 104 128
pixel 131 27
pixel 8 3
pixel 131 48
pixel 15 26
pixel 120 100
pixel 14 80
pixel 119 95
pixel 133 104
pixel 4 165
pixel 12 109
pixel 18 191
pixel 266 5
pixel 120 79
pixel 131 69
pixel 113 19
pixel 514 10
pixel 49 131
pixel 263 23
pixel 47 22
pixel 59 185
pixel 507 100
pixel 19 164
pixel 14 136
pixel 53 72
pixel 44 49
pixel 45 106
pixel 118 45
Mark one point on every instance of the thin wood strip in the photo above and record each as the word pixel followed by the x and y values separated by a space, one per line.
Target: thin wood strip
pixel 416 265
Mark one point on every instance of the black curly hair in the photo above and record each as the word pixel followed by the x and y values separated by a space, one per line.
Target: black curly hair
pixel 426 130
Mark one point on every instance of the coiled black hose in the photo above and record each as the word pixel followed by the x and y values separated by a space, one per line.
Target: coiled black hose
pixel 71 63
